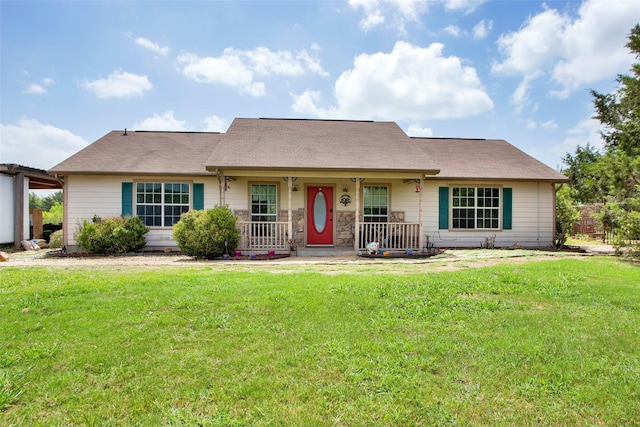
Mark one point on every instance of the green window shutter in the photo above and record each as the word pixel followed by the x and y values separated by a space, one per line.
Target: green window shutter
pixel 507 208
pixel 127 199
pixel 443 208
pixel 198 196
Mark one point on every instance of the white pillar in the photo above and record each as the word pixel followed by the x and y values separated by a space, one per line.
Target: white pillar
pixel 289 214
pixel 356 242
pixel 420 219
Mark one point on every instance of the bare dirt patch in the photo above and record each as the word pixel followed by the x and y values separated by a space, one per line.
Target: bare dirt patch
pixel 449 260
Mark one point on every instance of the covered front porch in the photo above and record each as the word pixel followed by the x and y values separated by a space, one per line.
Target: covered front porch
pixel 309 211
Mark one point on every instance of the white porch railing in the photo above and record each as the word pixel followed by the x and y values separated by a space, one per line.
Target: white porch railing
pixel 262 235
pixel 398 236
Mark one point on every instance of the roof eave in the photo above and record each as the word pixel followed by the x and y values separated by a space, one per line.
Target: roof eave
pixel 512 179
pixel 307 171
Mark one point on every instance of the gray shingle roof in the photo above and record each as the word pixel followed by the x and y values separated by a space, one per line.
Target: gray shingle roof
pixel 318 145
pixel 485 159
pixel 174 153
pixel 280 144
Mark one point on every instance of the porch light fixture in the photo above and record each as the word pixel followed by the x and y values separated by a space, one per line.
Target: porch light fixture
pixel 345 188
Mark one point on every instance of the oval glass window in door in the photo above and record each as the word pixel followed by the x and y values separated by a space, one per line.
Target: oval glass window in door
pixel 320 211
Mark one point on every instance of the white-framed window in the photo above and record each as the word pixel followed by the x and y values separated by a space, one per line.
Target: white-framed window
pixel 160 204
pixel 264 202
pixel 475 208
pixel 375 203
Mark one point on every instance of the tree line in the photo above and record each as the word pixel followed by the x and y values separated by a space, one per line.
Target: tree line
pixel 610 176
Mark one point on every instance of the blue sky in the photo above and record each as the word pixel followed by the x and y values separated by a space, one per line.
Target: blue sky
pixel 71 71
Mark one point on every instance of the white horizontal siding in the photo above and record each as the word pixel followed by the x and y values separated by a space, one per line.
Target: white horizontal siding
pixel 533 218
pixel 7 213
pixel 99 195
pixel 404 198
pixel 533 210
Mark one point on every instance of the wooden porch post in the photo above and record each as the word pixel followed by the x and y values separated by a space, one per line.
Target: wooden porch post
pixel 356 242
pixel 289 214
pixel 420 220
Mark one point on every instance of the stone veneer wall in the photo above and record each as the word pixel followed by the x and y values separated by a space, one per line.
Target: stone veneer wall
pixel 297 220
pixel 345 229
pixel 397 217
pixel 242 214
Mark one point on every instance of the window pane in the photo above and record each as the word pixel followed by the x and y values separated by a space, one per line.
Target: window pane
pixel 376 203
pixel 264 202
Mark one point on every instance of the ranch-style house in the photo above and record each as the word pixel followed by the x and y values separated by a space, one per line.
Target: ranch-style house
pixel 317 183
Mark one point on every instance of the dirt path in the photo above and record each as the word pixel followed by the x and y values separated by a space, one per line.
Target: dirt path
pixel 449 260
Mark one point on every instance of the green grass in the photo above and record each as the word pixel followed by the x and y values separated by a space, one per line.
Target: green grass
pixel 535 343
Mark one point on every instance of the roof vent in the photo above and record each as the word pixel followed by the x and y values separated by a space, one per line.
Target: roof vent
pixel 125 132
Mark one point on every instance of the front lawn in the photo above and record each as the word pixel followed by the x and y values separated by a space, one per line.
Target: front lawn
pixel 536 343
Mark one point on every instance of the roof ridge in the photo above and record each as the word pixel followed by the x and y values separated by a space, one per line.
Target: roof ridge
pixel 449 137
pixel 319 120
pixel 176 131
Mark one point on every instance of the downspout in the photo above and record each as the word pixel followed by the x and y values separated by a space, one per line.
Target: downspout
pixel 222 184
pixel 420 220
pixel 356 243
pixel 289 214
pixel 538 215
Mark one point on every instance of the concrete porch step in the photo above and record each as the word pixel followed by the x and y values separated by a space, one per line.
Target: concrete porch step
pixel 320 252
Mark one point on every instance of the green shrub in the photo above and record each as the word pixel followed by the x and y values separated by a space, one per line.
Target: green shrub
pixel 202 234
pixel 112 235
pixel 55 240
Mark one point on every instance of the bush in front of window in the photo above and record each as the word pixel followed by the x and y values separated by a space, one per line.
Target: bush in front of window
pixel 202 234
pixel 112 235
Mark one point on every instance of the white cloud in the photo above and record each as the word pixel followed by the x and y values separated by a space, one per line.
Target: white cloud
pixel 119 84
pixel 550 125
pixel 482 29
pixel 529 49
pixel 227 70
pixel 453 30
pixel 571 51
pixel 153 47
pixel 307 103
pixel 397 13
pixel 463 5
pixel 415 130
pixel 215 124
pixel 35 89
pixel 39 89
pixel 585 132
pixel 165 122
pixel 237 68
pixel 31 143
pixel 409 83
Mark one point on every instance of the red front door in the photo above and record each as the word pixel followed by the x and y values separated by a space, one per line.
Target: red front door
pixel 320 215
